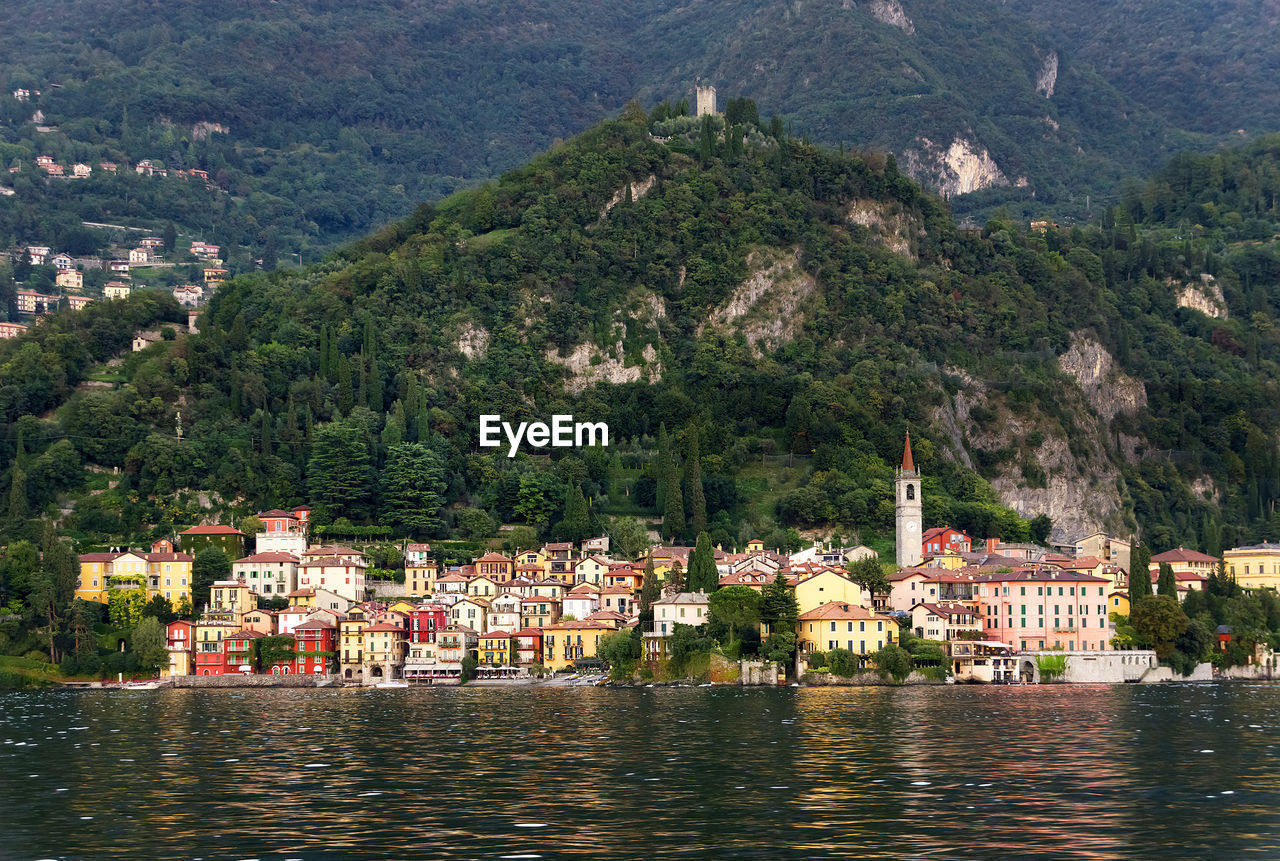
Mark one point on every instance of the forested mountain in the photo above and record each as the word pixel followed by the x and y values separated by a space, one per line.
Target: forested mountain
pixel 759 320
pixel 1209 65
pixel 319 121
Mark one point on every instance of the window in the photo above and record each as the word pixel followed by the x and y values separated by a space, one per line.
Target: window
pixel 833 626
pixel 1022 590
pixel 862 626
pixel 1039 590
pixel 911 491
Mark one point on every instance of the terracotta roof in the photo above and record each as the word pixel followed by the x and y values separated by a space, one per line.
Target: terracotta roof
pixel 452 577
pixel 528 632
pixel 615 590
pixel 1182 554
pixel 685 598
pixel 167 557
pixel 417 548
pixel 244 634
pixel 606 615
pixel 559 545
pixel 313 625
pixel 582 588
pixel 275 512
pixel 98 557
pixel 302 593
pixel 214 529
pixel 908 465
pixel 385 627
pixel 493 556
pixel 948 610
pixel 495 635
pixel 539 599
pixel 935 531
pixel 837 610
pixel 274 556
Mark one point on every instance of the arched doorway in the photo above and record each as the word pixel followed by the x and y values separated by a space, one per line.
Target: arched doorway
pixel 347 674
pixel 275 671
pixel 376 672
pixel 1028 673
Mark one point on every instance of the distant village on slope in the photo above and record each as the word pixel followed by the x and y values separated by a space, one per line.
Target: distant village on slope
pixel 548 609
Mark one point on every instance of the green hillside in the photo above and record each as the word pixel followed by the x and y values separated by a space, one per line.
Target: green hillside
pixel 318 122
pixel 775 313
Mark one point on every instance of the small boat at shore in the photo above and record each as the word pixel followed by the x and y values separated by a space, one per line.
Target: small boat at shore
pixel 139 686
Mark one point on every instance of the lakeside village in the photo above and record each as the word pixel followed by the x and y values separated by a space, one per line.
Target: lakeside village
pixel 997 613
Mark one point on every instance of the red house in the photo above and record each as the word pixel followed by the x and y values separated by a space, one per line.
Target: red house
pixel 180 639
pixel 425 621
pixel 528 645
pixel 944 539
pixel 316 643
pixel 210 658
pixel 239 651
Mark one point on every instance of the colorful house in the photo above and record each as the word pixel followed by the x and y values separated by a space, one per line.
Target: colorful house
pixel 538 612
pixel 241 656
pixel 470 613
pixel 496 567
pixel 684 608
pixel 565 643
pixel 495 648
pixel 180 641
pixel 271 574
pixel 420 570
pixel 316 644
pixel 528 646
pixel 843 625
pixel 1036 608
pixel 1255 566
pixel 826 586
pixel 944 539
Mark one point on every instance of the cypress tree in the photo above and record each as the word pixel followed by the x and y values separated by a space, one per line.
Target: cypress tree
pixel 664 457
pixel 1168 584
pixel 18 492
pixel 266 433
pixel 703 576
pixel 693 486
pixel 673 514
pixel 346 398
pixel 649 591
pixel 1139 575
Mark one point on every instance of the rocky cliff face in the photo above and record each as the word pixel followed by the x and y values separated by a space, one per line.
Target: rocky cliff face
pixel 1204 296
pixel 1039 467
pixel 891 12
pixel 962 167
pixel 767 305
pixel 1109 391
pixel 1048 77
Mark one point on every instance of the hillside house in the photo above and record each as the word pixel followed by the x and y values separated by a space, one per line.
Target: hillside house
pixel 215 275
pixel 11 330
pixel 37 254
pixel 115 290
pixel 31 302
pixel 63 262
pixel 189 295
pixel 69 279
pixel 205 249
pixel 79 170
pixel 140 255
pixel 151 242
pixel 76 302
pixel 118 267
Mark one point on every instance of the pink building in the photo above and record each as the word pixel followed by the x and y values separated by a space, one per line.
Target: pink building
pixel 1035 608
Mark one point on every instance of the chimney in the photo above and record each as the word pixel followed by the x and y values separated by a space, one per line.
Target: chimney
pixel 992 543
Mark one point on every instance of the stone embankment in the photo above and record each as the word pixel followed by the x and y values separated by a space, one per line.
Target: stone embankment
pixel 254 681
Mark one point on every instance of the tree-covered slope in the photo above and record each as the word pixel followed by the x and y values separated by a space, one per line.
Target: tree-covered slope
pixel 1209 65
pixel 776 314
pixel 320 121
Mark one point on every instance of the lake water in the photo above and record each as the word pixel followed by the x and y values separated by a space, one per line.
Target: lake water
pixel 955 772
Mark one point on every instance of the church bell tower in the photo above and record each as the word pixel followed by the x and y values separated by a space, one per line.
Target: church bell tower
pixel 908 510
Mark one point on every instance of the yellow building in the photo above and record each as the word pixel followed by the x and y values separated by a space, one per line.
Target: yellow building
pixel 1256 566
pixel 565 642
pixel 531 558
pixel 827 586
pixel 1118 602
pixel 160 572
pixel 843 625
pixel 495 648
pixel 403 606
pixel 948 559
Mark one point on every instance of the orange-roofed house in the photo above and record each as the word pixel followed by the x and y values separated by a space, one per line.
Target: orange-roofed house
pixel 420 570
pixel 842 625
pixel 1191 568
pixel 563 643
pixel 385 645
pixel 496 567
pixel 471 613
pixel 495 648
pixel 271 575
pixel 944 539
pixel 528 646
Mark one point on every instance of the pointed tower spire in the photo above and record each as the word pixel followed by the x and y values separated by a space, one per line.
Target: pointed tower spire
pixel 908 465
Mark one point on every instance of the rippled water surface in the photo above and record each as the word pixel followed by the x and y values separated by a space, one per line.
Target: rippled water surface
pixel 1050 772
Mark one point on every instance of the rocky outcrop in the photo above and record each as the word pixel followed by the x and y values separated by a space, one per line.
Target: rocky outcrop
pixel 473 341
pixel 1048 77
pixel 766 306
pixel 962 167
pixel 588 365
pixel 891 12
pixel 1075 485
pixel 890 228
pixel 638 190
pixel 1108 390
pixel 1204 296
pixel 202 130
